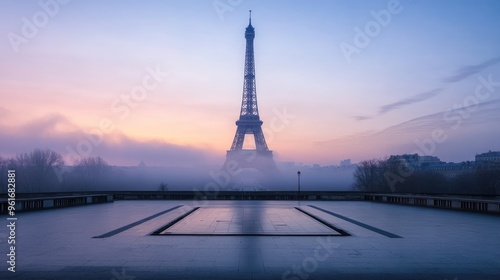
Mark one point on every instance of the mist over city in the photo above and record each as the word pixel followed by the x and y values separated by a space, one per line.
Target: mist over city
pixel 249 139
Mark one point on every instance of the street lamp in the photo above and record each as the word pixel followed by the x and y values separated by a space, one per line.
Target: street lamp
pixel 298 182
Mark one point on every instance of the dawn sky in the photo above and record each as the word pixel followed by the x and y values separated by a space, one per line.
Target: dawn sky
pixel 161 81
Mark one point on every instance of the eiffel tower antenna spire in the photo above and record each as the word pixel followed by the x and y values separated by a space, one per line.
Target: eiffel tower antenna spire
pixel 250 18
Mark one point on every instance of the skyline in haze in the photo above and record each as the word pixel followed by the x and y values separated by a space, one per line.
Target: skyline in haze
pixel 161 81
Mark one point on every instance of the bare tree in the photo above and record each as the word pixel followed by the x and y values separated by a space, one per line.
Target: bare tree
pixel 163 187
pixel 366 175
pixel 90 172
pixel 36 169
pixel 378 175
pixel 488 177
pixel 3 170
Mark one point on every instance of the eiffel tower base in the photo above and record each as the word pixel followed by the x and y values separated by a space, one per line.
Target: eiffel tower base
pixel 250 170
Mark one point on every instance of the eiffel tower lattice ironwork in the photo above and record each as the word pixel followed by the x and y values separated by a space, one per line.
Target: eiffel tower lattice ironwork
pixel 249 122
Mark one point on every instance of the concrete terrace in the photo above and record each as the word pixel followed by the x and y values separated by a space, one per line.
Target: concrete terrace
pixel 253 240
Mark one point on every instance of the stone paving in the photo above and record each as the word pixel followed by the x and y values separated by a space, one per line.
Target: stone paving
pixel 114 241
pixel 282 221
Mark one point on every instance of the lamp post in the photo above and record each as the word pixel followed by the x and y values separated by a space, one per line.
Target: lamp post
pixel 298 183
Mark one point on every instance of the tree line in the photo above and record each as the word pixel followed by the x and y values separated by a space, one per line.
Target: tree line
pixel 45 171
pixel 42 170
pixel 392 175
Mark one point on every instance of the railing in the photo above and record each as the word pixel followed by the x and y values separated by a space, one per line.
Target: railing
pixel 39 203
pixel 239 195
pixel 29 202
pixel 457 203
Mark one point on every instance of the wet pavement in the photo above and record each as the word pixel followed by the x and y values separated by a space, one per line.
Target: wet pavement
pixel 249 220
pixel 252 240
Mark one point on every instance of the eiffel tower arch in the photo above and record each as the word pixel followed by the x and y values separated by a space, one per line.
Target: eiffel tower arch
pixel 254 165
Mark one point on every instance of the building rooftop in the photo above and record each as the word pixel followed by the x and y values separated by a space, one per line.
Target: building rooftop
pixel 489 154
pixel 254 241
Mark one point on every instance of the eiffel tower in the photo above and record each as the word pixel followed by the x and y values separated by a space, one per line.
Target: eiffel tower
pixel 254 163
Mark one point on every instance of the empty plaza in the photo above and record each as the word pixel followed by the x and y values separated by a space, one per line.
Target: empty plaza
pixel 185 239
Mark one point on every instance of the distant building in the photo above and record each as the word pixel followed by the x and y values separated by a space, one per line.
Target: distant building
pixel 432 163
pixel 345 163
pixel 410 159
pixel 428 161
pixel 451 166
pixel 451 169
pixel 488 157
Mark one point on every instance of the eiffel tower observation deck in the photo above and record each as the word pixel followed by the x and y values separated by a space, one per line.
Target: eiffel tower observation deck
pixel 260 158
